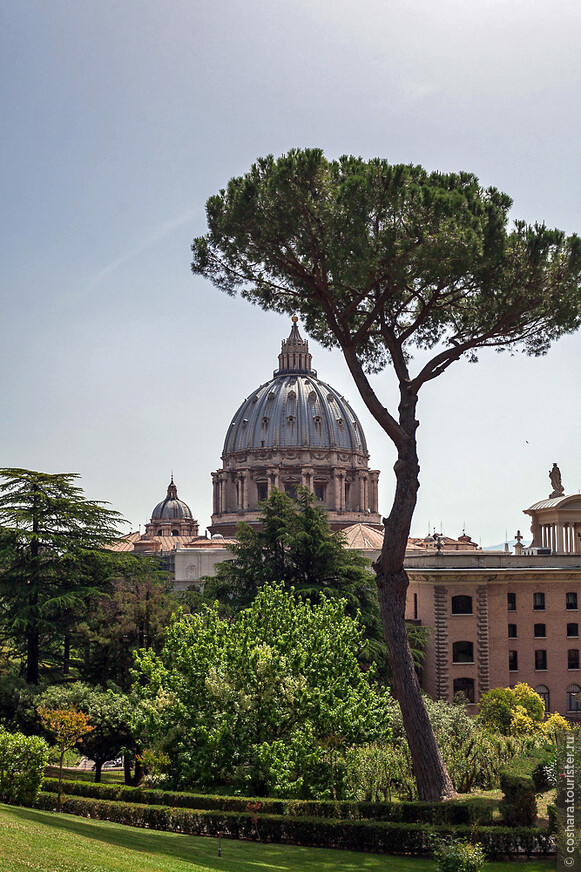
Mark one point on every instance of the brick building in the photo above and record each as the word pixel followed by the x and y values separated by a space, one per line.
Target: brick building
pixel 497 618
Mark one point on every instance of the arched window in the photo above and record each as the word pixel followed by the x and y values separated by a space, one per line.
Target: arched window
pixel 465 686
pixel 573 704
pixel 543 692
pixel 461 605
pixel 175 532
pixel 462 652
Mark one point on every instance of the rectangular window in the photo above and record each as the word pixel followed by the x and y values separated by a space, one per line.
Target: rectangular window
pixel 540 631
pixel 512 631
pixel 539 602
pixel 461 605
pixel 465 686
pixel 540 659
pixel 573 658
pixel 571 600
pixel 572 629
pixel 320 492
pixel 463 652
pixel 513 660
pixel 511 601
pixel 262 491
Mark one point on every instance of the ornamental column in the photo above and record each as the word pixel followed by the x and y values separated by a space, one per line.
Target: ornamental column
pixel 362 491
pixel 374 496
pixel 307 477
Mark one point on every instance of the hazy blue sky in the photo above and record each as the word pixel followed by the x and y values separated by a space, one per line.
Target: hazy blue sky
pixel 121 117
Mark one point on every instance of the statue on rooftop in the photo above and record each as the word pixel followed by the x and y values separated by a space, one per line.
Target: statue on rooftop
pixel 556 483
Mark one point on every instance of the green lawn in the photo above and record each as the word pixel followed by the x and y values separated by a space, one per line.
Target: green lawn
pixel 39 841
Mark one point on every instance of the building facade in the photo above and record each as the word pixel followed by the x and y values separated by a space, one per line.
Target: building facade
pixel 497 619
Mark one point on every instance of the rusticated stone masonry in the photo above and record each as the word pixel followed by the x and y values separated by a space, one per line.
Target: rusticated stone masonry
pixel 441 651
pixel 482 645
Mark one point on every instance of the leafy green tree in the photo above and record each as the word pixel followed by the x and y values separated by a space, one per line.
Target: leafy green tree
pixel 133 614
pixel 295 545
pixel 381 260
pixel 110 715
pixel 263 702
pixel 50 535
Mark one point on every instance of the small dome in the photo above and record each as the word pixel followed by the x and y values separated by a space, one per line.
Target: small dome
pixel 171 508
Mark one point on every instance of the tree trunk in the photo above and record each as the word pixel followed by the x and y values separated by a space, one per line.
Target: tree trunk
pixel 139 772
pixel 431 776
pixel 127 771
pixel 32 632
pixel 98 768
pixel 32 653
pixel 66 654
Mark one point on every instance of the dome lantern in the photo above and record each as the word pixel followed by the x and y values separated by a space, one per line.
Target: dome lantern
pixel 294 353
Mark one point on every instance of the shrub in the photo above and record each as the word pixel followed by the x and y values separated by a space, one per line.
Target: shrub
pixel 513 711
pixel 23 760
pixel 458 855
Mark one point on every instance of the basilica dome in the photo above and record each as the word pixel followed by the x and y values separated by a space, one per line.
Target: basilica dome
pixel 294 410
pixel 294 430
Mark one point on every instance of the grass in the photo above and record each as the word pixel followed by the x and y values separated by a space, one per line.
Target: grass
pixel 39 841
pixel 108 776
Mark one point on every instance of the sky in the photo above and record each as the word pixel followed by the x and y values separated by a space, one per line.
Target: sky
pixel 119 120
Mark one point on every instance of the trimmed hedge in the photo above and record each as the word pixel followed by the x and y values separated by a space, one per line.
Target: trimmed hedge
pixel 520 780
pixel 452 812
pixel 375 836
